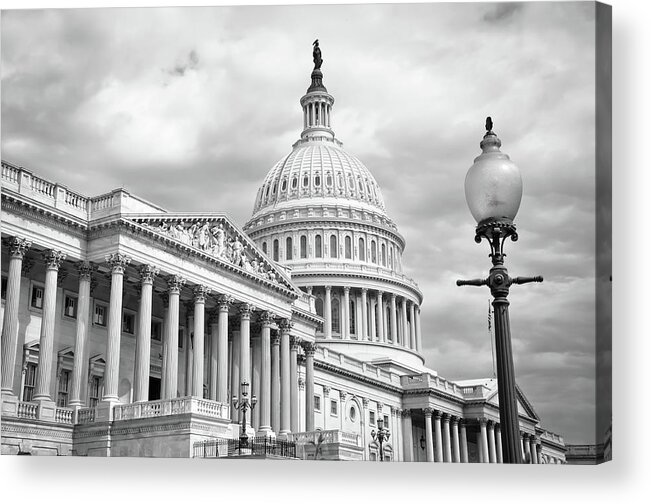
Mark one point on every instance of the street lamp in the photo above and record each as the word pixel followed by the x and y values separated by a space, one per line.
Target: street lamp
pixel 493 193
pixel 381 435
pixel 243 404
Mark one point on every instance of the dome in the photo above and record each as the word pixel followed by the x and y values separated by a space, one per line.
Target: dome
pixel 320 171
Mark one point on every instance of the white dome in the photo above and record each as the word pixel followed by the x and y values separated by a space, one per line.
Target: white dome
pixel 319 170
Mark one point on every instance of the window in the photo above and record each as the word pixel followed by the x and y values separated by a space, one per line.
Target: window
pixel 340 180
pixel 70 306
pixel 94 391
pixel 156 330
pixel 317 403
pixel 306 180
pixel 386 421
pixel 352 413
pixel 319 306
pixel 303 247
pixel 30 382
pixel 317 180
pixel 348 247
pixel 333 246
pixel 329 180
pixel 284 185
pixel 264 247
pixel 64 386
pixel 273 191
pixel 335 315
pixel 4 287
pixel 333 407
pixel 384 255
pixel 128 322
pixel 371 417
pixel 362 250
pixel 318 251
pixel 352 312
pixel 37 297
pixel 288 249
pixel 294 182
pixel 351 183
pixel 373 252
pixel 99 317
pixel 276 250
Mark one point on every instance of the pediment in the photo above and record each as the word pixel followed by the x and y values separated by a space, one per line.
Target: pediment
pixel 524 406
pixel 216 237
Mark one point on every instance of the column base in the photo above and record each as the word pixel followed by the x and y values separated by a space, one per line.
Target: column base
pixel 283 435
pixel 266 432
pixel 9 404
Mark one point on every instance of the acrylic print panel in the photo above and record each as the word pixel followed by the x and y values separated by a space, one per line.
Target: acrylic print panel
pixel 193 257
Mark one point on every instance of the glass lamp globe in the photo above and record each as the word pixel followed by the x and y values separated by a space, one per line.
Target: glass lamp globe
pixel 493 183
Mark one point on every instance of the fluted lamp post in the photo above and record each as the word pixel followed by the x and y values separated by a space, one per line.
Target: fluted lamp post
pixel 493 192
pixel 243 404
pixel 381 436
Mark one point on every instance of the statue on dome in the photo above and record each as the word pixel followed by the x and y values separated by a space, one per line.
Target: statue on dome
pixel 316 54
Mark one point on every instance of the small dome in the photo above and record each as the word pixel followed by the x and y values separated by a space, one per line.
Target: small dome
pixel 320 170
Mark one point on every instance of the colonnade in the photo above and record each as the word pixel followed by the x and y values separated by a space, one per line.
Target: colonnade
pixel 276 368
pixel 383 317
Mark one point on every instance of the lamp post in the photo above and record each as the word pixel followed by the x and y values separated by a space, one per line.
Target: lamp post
pixel 493 192
pixel 381 435
pixel 243 405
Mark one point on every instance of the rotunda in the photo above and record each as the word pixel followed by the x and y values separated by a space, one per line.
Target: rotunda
pixel 321 215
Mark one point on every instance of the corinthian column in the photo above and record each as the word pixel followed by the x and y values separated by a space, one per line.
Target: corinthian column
pixel 223 303
pixel 412 328
pixel 394 323
pixel 245 345
pixel 309 349
pixel 264 401
pixel 53 260
pixel 174 284
pixel 17 249
pixel 429 442
pixel 293 380
pixel 380 318
pixel 483 441
pixel 447 445
pixel 405 330
pixel 79 372
pixel 464 441
pixel 143 337
pixel 327 313
pixel 346 311
pixel 455 440
pixel 285 388
pixel 419 340
pixel 275 382
pixel 364 335
pixel 200 293
pixel 498 442
pixel 438 436
pixel 492 455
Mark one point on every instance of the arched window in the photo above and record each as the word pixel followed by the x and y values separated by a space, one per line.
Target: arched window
pixel 352 315
pixel 318 249
pixel 335 315
pixel 303 247
pixel 284 185
pixel 317 180
pixel 333 246
pixel 329 180
pixel 340 180
pixel 373 252
pixel 318 303
pixel 276 250
pixel 391 258
pixel 348 247
pixel 384 255
pixel 288 249
pixel 306 180
pixel 264 247
pixel 273 191
pixel 294 182
pixel 387 314
pixel 362 250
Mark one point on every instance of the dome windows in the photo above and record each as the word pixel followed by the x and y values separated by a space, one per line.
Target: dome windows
pixel 294 182
pixel 347 247
pixel 351 182
pixel 373 252
pixel 303 247
pixel 384 255
pixel 340 180
pixel 329 180
pixel 333 246
pixel 362 250
pixel 276 253
pixel 318 246
pixel 317 180
pixel 283 186
pixel 264 247
pixel 289 249
pixel 306 180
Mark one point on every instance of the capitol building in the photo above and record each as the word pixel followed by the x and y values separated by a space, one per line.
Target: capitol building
pixel 129 330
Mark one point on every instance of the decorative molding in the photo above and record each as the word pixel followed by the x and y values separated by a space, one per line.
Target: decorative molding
pixel 174 284
pixel 118 262
pixel 148 273
pixel 86 269
pixel 53 259
pixel 18 247
pixel 200 292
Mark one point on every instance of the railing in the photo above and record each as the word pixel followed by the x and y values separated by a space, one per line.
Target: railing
pixel 253 447
pixel 10 173
pixel 102 202
pixel 325 437
pixel 86 415
pixel 176 406
pixel 63 415
pixel 27 410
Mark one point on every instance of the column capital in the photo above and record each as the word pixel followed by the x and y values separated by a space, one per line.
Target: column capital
pixel 18 247
pixel 380 406
pixel 174 284
pixel 275 339
pixel 200 292
pixel 245 310
pixel 482 421
pixel 53 259
pixel 294 343
pixel 346 289
pixel 328 288
pixel 497 426
pixel 267 318
pixel 406 413
pixel 455 420
pixel 224 302
pixel 326 390
pixel 364 290
pixel 446 417
pixel 117 261
pixel 342 395
pixel 285 325
pixel 148 273
pixel 428 412
pixel 438 414
pixel 380 293
pixel 365 401
pixel 85 269
pixel 301 383
pixel 309 348
pixel 393 296
pixel 490 424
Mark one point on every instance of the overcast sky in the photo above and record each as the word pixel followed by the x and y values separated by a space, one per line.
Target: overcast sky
pixel 189 108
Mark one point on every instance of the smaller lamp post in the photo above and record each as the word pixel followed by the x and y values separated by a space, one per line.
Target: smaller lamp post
pixel 381 435
pixel 243 405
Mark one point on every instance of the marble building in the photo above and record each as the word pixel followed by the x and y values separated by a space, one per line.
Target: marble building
pixel 128 329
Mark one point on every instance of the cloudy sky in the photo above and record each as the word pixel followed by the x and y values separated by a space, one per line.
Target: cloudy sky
pixel 191 107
